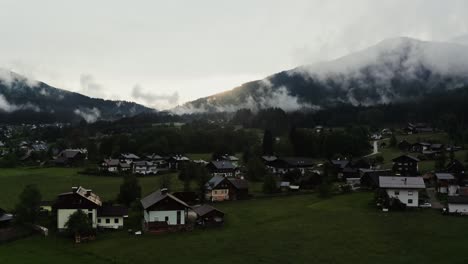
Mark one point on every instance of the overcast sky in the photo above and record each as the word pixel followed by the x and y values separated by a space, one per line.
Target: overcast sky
pixel 163 53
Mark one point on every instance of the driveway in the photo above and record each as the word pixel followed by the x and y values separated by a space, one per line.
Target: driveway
pixel 431 192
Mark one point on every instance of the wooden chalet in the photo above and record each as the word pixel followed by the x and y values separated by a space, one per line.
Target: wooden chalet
pixel 405 165
pixel 286 164
pixel 221 188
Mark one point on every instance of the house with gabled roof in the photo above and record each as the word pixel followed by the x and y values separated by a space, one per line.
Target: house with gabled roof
pixel 282 165
pixel 71 157
pixel 78 199
pixel 405 189
pixel 221 188
pixel 107 216
pixel 163 211
pixel 223 168
pixel 176 161
pixel 405 165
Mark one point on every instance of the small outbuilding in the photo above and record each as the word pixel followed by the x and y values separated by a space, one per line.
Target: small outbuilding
pixel 208 216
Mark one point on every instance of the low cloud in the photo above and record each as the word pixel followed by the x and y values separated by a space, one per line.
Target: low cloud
pixel 8 77
pixel 91 115
pixel 90 87
pixel 153 99
pixel 265 97
pixel 6 106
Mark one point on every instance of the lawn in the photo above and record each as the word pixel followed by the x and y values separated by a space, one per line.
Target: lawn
pixel 297 229
pixel 389 153
pixel 52 181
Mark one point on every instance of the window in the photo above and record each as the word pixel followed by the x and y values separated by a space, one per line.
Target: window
pixel 107 220
pixel 397 192
pixel 410 201
pixel 116 220
pixel 99 220
pixel 166 219
pixel 410 193
pixel 90 216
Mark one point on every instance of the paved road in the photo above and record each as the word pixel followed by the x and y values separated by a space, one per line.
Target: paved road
pixel 376 149
pixel 431 192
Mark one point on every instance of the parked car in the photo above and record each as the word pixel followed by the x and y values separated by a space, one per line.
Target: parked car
pixel 425 205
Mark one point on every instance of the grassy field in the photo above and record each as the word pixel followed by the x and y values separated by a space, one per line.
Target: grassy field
pixel 52 181
pixel 389 153
pixel 298 229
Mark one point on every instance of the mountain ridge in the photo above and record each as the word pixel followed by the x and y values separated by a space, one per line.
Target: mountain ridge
pixel 20 96
pixel 392 70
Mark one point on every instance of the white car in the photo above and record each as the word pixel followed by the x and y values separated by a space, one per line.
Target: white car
pixel 425 205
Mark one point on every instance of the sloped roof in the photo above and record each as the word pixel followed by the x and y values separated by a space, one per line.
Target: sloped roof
pixel 445 176
pixel 87 194
pixel 158 196
pixel 112 210
pixel 401 182
pixel 129 156
pixel 340 163
pixel 239 183
pixel 205 209
pixel 223 164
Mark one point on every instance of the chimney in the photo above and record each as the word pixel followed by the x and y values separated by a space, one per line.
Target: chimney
pixel 164 191
pixel 74 189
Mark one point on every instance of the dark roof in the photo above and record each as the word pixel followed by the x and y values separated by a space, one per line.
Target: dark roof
pixel 239 183
pixel 205 209
pixel 85 193
pixel 445 176
pixel 405 157
pixel 158 196
pixel 71 153
pixel 223 165
pixel 214 181
pixel 112 162
pixel 112 210
pixel 340 163
pixel 457 199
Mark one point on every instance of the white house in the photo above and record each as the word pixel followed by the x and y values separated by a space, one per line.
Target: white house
pixel 163 210
pixel 405 189
pixel 458 204
pixel 145 167
pixel 79 198
pixel 111 216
